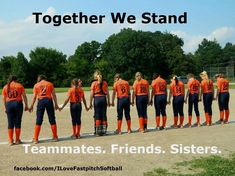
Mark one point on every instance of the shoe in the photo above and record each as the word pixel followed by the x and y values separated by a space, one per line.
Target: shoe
pixel 145 130
pixel 35 141
pixel 218 122
pixel 162 128
pixel 117 132
pixel 55 139
pixel 18 142
pixel 78 136
pixel 73 136
pixel 158 128
pixel 11 143
pixel 129 131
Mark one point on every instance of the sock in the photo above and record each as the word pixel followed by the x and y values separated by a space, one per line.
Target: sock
pixel 158 121
pixel 74 130
pixel 119 125
pixel 78 127
pixel 128 124
pixel 10 135
pixel 189 120
pixel 210 119
pixel 36 132
pixel 181 120
pixel 198 120
pixel 141 122
pixel 207 118
pixel 145 123
pixel 54 131
pixel 17 131
pixel 226 115
pixel 175 121
pixel 221 116
pixel 164 118
pixel 97 123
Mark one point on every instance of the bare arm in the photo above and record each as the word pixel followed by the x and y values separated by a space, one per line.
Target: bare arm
pixel 55 99
pixel 186 97
pixel 133 98
pixel 113 97
pixel 4 103
pixel 91 99
pixel 25 102
pixel 33 102
pixel 151 97
pixel 65 103
pixel 169 97
pixel 85 104
pixel 108 97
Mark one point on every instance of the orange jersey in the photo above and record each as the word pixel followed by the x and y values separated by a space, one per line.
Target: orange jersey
pixel 223 85
pixel 141 87
pixel 194 86
pixel 43 89
pixel 207 87
pixel 14 93
pixel 122 88
pixel 75 94
pixel 178 89
pixel 99 89
pixel 159 86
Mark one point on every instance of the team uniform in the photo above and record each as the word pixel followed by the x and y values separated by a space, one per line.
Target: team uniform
pixel 76 95
pixel 43 91
pixel 159 87
pixel 122 88
pixel 193 86
pixel 207 90
pixel 223 98
pixel 141 90
pixel 100 91
pixel 14 108
pixel 178 101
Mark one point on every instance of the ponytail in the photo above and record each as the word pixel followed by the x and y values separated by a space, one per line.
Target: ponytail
pixel 41 77
pixel 75 83
pixel 176 79
pixel 10 80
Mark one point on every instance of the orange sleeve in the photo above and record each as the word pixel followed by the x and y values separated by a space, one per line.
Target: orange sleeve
pixel 22 89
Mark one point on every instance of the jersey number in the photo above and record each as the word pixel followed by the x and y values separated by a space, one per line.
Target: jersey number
pixel 12 94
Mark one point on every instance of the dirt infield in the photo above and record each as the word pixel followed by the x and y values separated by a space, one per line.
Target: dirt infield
pixel 222 136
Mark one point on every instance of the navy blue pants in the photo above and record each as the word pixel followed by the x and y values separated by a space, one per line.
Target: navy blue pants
pixel 207 102
pixel 45 104
pixel 223 100
pixel 100 106
pixel 160 104
pixel 142 104
pixel 76 111
pixel 178 105
pixel 14 110
pixel 123 104
pixel 193 101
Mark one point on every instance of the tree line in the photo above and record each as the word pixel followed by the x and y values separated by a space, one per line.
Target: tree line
pixel 126 52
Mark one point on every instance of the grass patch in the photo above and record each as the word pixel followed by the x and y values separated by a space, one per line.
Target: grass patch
pixel 205 166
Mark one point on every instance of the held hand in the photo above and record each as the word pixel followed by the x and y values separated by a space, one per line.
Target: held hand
pixel 87 109
pixel 199 99
pixel 112 104
pixel 132 103
pixel 169 102
pixel 26 108
pixel 90 106
pixel 185 101
pixel 151 102
pixel 60 109
pixel 56 107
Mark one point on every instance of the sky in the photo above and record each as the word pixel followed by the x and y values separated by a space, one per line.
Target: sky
pixel 211 19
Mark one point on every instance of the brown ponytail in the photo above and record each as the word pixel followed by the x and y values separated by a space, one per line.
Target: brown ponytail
pixel 75 83
pixel 41 77
pixel 10 80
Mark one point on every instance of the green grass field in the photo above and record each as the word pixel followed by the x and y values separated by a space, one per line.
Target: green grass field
pixel 206 166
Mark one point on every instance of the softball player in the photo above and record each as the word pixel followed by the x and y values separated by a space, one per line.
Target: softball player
pixel 44 91
pixel 193 97
pixel 75 95
pixel 122 89
pixel 159 92
pixel 141 94
pixel 13 93
pixel 100 94
pixel 207 90
pixel 223 98
pixel 177 90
